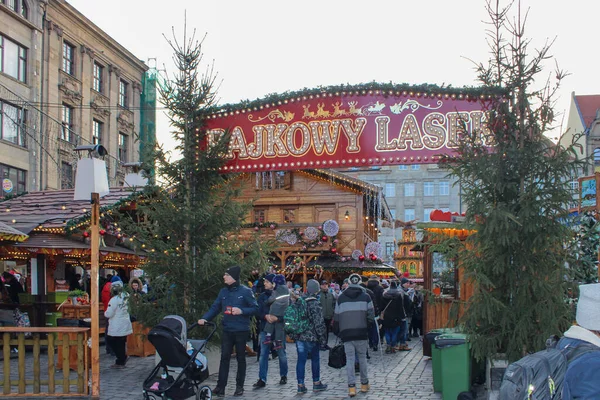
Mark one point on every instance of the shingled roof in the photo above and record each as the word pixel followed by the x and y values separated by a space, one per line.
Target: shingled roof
pixel 588 106
pixel 53 208
pixel 9 233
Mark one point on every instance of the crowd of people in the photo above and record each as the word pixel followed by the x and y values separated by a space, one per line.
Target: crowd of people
pixel 363 315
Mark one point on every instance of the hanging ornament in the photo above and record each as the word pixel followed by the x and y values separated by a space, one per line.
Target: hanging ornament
pixel 272 226
pixel 356 254
pixel 324 239
pixel 256 228
pixel 373 247
pixel 311 233
pixel 333 250
pixel 331 227
pixel 86 234
pixel 361 258
pixel 102 232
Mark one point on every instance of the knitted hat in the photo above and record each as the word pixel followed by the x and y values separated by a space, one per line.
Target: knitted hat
pixel 234 272
pixel 312 287
pixel 403 281
pixel 269 277
pixel 279 280
pixel 324 282
pixel 354 279
pixel 116 283
pixel 116 279
pixel 588 307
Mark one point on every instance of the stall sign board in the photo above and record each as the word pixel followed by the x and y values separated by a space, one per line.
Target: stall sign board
pixel 348 130
pixel 588 192
pixel 7 185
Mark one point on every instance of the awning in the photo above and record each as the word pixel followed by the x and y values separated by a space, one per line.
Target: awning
pixel 9 233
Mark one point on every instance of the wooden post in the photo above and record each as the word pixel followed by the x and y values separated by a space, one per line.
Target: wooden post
pixel 304 276
pixel 95 248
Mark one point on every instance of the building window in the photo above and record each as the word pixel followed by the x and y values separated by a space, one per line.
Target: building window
pixel 260 215
pixel 123 100
pixel 67 124
pixel 289 215
pixel 98 73
pixel 273 180
pixel 66 178
pixel 415 167
pixel 24 9
pixel 12 4
pixel 402 167
pixel 444 188
pixel 390 190
pixel 97 132
pixel 574 186
pixel 68 61
pixel 409 189
pixel 13 59
pixel 427 188
pixel 427 214
pixel 409 214
pixel 597 156
pixel 389 249
pixel 123 146
pixel 12 124
pixel 17 177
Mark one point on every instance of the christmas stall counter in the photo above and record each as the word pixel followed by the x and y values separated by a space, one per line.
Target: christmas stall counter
pixel 445 289
pixel 58 244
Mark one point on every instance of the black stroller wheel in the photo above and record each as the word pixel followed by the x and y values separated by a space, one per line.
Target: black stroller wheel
pixel 204 393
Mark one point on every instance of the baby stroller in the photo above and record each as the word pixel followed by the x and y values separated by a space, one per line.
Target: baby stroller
pixel 169 338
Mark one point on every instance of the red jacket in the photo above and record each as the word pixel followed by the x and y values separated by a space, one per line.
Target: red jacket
pixel 106 295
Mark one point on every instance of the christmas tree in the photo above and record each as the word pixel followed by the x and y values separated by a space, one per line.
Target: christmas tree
pixel 187 219
pixel 515 186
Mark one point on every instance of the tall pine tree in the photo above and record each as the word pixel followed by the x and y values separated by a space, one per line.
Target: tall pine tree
pixel 516 194
pixel 187 219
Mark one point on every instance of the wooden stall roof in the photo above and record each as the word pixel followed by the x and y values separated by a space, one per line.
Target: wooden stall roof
pixel 53 208
pixel 9 233
pixel 44 240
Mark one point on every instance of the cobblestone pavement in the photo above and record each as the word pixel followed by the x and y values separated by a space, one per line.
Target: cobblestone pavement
pixel 403 375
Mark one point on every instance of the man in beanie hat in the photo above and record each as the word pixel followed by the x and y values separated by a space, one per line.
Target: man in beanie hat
pixel 266 317
pixel 238 305
pixel 351 320
pixel 583 372
pixel 279 302
pixel 310 341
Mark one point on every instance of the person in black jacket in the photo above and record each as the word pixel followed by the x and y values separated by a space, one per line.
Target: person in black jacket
pixel 13 287
pixel 394 316
pixel 238 305
pixel 373 337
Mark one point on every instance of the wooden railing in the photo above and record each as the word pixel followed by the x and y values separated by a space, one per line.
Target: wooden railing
pixel 71 346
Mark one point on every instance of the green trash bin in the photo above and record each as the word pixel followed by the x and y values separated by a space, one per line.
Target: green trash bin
pixel 436 362
pixel 455 364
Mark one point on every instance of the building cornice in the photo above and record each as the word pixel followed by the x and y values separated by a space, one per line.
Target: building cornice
pixel 68 11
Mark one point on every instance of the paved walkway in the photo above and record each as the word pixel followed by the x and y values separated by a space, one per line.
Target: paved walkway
pixel 405 375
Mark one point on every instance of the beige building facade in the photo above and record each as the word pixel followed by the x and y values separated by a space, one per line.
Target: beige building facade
pixel 63 83
pixel 411 192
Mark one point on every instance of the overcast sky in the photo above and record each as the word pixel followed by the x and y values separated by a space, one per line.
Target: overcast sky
pixel 261 47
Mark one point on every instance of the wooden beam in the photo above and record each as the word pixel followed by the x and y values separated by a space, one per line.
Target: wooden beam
pixel 95 258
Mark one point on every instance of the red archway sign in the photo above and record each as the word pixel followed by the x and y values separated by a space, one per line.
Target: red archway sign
pixel 347 129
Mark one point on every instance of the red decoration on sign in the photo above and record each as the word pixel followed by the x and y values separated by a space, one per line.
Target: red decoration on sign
pixel 102 232
pixel 86 234
pixel 336 130
pixel 361 258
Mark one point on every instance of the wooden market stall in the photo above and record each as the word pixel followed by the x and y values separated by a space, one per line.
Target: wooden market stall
pixel 443 278
pixel 313 213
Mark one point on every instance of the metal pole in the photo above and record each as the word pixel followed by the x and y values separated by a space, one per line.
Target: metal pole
pixel 95 248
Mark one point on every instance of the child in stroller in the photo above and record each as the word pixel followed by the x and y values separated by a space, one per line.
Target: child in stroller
pixel 169 338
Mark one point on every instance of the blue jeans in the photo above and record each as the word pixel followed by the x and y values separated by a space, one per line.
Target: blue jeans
pixel 265 350
pixel 404 331
pixel 391 335
pixel 304 348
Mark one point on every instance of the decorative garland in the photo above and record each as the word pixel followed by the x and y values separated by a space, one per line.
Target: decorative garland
pixel 364 88
pixel 260 225
pixel 311 237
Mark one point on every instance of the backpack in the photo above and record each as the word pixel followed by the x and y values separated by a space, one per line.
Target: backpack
pixel 296 317
pixel 540 376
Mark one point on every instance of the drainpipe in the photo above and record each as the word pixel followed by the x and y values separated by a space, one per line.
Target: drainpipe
pixel 41 151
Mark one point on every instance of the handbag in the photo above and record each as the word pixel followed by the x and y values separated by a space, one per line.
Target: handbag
pixel 337 356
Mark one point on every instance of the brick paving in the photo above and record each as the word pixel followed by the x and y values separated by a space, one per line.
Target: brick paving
pixel 405 375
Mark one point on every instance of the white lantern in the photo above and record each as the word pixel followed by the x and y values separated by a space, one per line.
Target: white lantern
pixel 91 177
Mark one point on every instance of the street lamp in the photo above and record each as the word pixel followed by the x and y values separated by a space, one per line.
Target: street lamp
pixel 91 182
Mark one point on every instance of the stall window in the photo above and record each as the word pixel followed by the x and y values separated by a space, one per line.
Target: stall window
pixel 260 215
pixel 443 276
pixel 289 215
pixel 273 180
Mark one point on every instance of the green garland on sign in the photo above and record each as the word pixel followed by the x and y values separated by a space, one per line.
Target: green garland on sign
pixel 363 88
